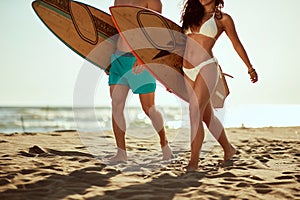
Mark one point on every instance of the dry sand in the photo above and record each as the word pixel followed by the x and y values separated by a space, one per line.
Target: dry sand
pixel 72 165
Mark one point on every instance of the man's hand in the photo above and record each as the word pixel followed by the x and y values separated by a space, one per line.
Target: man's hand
pixel 137 68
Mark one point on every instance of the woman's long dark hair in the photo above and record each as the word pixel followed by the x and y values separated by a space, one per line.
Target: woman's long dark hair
pixel 193 12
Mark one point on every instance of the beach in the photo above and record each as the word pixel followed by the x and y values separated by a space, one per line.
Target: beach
pixel 73 165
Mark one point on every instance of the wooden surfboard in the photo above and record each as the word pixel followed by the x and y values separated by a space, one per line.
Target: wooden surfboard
pixel 156 41
pixel 86 30
pixel 159 44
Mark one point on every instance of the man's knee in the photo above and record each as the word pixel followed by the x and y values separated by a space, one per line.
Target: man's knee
pixel 151 111
pixel 117 106
pixel 148 110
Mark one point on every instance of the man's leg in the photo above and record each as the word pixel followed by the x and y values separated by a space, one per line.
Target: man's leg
pixel 118 95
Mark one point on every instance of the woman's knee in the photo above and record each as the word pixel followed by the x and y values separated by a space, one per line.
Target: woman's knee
pixel 208 115
pixel 197 107
pixel 195 113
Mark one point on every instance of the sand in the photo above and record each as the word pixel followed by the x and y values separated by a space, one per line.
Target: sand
pixel 72 165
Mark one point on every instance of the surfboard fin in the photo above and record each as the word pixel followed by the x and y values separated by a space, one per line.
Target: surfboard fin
pixel 162 53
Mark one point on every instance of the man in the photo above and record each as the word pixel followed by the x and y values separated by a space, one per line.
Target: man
pixel 125 74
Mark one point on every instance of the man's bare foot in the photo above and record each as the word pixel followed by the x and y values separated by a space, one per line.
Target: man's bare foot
pixel 229 154
pixel 191 167
pixel 167 152
pixel 121 156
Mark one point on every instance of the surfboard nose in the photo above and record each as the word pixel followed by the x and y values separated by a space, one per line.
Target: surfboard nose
pixel 83 22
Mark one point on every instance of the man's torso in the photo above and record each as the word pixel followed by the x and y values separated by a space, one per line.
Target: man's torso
pixel 121 45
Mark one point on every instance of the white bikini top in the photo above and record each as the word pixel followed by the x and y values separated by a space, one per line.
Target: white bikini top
pixel 209 28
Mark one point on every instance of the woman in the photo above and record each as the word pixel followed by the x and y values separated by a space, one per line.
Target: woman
pixel 203 23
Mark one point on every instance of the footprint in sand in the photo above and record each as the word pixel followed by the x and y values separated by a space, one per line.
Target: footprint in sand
pixel 222 175
pixel 284 177
pixel 262 188
pixel 25 154
pixel 27 171
pixel 256 178
pixel 52 167
pixel 4 181
pixel 243 185
pixel 298 178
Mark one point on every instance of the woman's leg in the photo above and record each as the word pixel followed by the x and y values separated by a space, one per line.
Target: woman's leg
pixel 217 129
pixel 148 105
pixel 197 104
pixel 199 95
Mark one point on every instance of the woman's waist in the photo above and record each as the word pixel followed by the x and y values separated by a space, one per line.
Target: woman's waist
pixel 201 41
pixel 209 60
pixel 192 59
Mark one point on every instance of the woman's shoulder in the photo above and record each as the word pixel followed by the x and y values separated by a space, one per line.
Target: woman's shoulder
pixel 225 17
pixel 226 20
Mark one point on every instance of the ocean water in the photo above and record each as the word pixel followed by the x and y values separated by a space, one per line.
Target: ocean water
pixel 45 119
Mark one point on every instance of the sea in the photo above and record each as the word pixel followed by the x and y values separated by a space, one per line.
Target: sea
pixel 48 119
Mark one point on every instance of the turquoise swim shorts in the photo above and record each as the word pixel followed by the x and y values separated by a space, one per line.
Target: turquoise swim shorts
pixel 120 73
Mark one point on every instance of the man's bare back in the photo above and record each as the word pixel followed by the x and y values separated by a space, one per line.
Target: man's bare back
pixel 142 3
pixel 151 4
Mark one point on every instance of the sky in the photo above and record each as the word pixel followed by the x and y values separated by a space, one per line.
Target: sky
pixel 37 69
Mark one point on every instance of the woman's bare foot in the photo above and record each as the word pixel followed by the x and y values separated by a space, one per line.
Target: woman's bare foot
pixel 229 154
pixel 121 156
pixel 191 167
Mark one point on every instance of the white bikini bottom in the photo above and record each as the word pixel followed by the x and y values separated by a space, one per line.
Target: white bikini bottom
pixel 193 72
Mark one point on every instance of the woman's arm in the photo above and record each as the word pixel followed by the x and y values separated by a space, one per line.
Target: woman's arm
pixel 230 31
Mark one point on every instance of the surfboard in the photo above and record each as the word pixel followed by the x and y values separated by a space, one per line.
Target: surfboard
pixel 156 41
pixel 159 44
pixel 89 32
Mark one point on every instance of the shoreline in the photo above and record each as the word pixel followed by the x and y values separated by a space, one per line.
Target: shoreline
pixel 64 165
pixel 172 129
pixel 46 119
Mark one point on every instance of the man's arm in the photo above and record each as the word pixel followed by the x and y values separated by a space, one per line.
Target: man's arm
pixel 155 5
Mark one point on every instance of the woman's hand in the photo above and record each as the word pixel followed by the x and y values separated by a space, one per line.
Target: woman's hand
pixel 137 68
pixel 253 75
